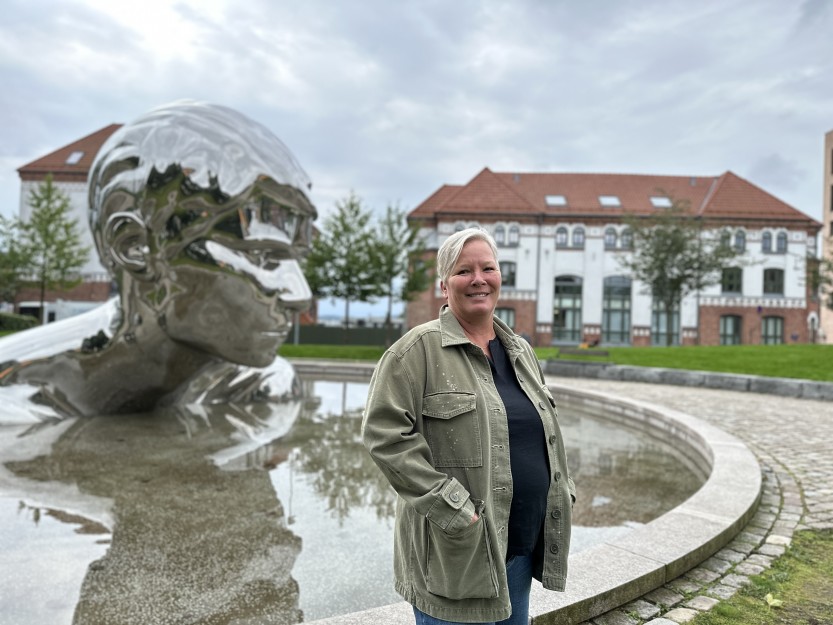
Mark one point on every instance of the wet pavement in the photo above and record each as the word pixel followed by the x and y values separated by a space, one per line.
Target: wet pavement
pixel 792 439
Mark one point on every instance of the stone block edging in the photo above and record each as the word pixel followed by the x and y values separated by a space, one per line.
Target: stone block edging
pixel 625 568
pixel 787 387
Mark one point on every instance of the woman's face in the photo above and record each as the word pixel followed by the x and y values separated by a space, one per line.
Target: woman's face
pixel 473 287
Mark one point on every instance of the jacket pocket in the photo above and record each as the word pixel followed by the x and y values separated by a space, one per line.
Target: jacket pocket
pixel 452 429
pixel 460 565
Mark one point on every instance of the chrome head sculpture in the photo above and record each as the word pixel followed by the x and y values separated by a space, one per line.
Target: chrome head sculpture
pixel 201 216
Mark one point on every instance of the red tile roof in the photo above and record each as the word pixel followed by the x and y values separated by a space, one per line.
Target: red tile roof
pixel 724 197
pixel 56 162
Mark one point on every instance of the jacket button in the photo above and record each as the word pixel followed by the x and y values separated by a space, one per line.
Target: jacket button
pixel 557 475
pixel 556 514
pixel 553 548
pixel 455 497
pixel 553 438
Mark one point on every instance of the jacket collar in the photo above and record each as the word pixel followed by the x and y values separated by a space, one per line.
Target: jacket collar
pixel 452 332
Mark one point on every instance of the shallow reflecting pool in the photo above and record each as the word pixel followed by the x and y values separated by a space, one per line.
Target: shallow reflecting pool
pixel 223 516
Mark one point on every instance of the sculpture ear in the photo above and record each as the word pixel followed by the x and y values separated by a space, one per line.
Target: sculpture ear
pixel 127 237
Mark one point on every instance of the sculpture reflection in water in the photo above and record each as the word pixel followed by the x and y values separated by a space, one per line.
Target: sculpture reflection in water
pixel 188 505
pixel 200 214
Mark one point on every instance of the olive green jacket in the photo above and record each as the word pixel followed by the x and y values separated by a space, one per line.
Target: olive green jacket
pixel 436 426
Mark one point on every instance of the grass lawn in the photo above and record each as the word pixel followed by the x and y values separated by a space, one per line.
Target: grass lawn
pixel 797 590
pixel 808 362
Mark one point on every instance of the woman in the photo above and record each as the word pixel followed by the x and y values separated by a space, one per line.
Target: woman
pixel 461 423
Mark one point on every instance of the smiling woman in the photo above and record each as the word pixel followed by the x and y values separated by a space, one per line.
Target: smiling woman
pixel 461 423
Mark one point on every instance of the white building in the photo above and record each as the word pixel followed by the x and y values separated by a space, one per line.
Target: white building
pixel 560 237
pixel 69 167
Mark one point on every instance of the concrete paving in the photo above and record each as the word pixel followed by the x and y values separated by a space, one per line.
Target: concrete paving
pixel 793 441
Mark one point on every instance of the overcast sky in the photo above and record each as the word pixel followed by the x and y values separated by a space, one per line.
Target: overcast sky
pixel 393 99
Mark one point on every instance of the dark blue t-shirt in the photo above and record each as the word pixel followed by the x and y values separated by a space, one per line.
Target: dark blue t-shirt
pixel 527 456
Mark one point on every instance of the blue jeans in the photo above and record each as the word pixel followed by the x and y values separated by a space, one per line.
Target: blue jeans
pixel 519 578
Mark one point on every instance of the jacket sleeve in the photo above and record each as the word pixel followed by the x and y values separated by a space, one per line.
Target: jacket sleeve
pixel 389 432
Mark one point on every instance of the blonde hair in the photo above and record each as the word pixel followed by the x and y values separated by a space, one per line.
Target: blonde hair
pixel 451 248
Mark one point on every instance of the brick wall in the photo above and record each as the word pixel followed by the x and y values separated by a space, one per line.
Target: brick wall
pixel 795 323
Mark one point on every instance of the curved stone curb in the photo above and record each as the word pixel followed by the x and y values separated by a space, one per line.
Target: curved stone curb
pixel 761 542
pixel 787 387
pixel 623 569
pixel 645 560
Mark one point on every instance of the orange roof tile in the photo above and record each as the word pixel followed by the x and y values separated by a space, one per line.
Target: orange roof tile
pixel 726 196
pixel 57 162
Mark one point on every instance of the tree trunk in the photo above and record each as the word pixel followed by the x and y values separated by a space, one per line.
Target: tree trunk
pixel 42 297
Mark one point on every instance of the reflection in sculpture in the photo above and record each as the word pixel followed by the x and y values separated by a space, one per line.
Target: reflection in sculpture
pixel 200 215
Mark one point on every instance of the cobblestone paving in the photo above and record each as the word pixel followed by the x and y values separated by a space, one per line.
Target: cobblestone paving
pixel 793 440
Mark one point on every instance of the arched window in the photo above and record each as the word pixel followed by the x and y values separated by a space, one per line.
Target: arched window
pixel 740 241
pixel 610 238
pixel 616 310
pixel 732 280
pixel 566 310
pixel 578 236
pixel 766 242
pixel 772 330
pixel 514 235
pixel 730 330
pixel 507 273
pixel 773 281
pixel 561 237
pixel 660 333
pixel 506 315
pixel 500 235
pixel 781 243
pixel 459 226
pixel 725 238
pixel 627 239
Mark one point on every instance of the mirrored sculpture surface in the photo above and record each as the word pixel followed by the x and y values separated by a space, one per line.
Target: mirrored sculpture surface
pixel 200 215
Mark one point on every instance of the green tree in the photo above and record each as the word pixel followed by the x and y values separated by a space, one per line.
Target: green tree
pixel 674 256
pixel 13 259
pixel 52 241
pixel 343 262
pixel 404 269
pixel 820 273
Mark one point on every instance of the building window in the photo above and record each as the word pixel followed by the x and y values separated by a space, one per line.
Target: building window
pixel 659 324
pixel 507 273
pixel 616 310
pixel 627 239
pixel 772 331
pixel 725 238
pixel 506 315
pixel 459 226
pixel 566 310
pixel 740 241
pixel 661 201
pixel 578 237
pixel 609 200
pixel 730 330
pixel 561 237
pixel 766 242
pixel 514 235
pixel 500 235
pixel 781 243
pixel 555 200
pixel 732 280
pixel 773 281
pixel 610 238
